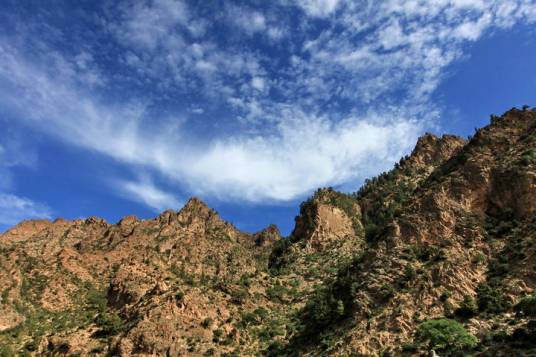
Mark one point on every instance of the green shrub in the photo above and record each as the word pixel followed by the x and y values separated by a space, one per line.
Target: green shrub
pixel 445 295
pixel 272 329
pixel 209 352
pixel 528 157
pixel 276 293
pixel 410 347
pixel 385 194
pixel 498 269
pixel 445 335
pixel 6 351
pixel 207 322
pixel 323 308
pixel 217 334
pixel 261 312
pixel 468 307
pixel 328 304
pixel 430 253
pixel 491 299
pixel 527 305
pixel 279 258
pixel 479 258
pixel 179 296
pixel 239 296
pixel 409 275
pixel 96 299
pixel 110 323
pixel 245 280
pixel 276 349
pixel 337 298
pixel 387 291
pixel 249 318
pixel 372 231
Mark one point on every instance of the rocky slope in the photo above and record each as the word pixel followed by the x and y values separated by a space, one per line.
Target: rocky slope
pixel 439 253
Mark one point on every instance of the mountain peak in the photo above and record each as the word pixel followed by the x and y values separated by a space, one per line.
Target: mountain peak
pixel 195 204
pixel 431 150
pixel 267 236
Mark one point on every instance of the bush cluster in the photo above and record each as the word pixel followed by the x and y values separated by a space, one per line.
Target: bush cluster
pixel 468 307
pixel 527 305
pixel 491 298
pixel 445 336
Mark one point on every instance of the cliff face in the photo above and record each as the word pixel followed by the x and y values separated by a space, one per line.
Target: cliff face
pixel 448 237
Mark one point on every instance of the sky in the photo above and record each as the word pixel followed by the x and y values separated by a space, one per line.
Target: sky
pixel 112 108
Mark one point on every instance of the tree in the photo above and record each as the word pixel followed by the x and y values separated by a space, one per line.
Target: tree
pixel 445 335
pixel 491 298
pixel 110 323
pixel 468 307
pixel 527 305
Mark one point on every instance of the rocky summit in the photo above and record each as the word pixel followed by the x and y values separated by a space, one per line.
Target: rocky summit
pixel 435 257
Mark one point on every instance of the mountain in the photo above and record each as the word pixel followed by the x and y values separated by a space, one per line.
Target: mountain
pixel 437 254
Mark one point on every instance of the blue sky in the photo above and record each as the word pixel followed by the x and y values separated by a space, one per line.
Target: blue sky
pixel 130 107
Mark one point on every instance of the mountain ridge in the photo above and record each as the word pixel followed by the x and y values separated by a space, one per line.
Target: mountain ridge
pixel 446 239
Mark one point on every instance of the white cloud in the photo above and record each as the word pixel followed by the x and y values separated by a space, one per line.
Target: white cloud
pixel 16 152
pixel 144 191
pixel 258 83
pixel 319 7
pixel 301 153
pixel 249 21
pixel 197 110
pixel 14 209
pixel 275 33
pixel 373 50
pixel 147 24
pixel 472 30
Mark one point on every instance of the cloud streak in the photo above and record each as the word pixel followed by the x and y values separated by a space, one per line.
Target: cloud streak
pixel 14 209
pixel 145 192
pixel 302 153
pixel 14 153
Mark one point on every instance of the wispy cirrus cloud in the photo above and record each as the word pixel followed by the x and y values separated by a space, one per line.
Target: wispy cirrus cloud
pixel 319 8
pixel 14 208
pixel 15 153
pixel 302 153
pixel 144 191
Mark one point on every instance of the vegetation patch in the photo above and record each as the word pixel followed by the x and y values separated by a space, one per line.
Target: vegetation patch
pixel 385 195
pixel 491 298
pixel 527 305
pixel 468 307
pixel 445 336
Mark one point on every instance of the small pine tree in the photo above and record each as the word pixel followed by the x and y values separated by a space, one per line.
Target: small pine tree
pixel 468 307
pixel 527 305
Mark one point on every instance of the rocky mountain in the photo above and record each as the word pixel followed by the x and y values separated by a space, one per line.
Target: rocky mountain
pixel 437 254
